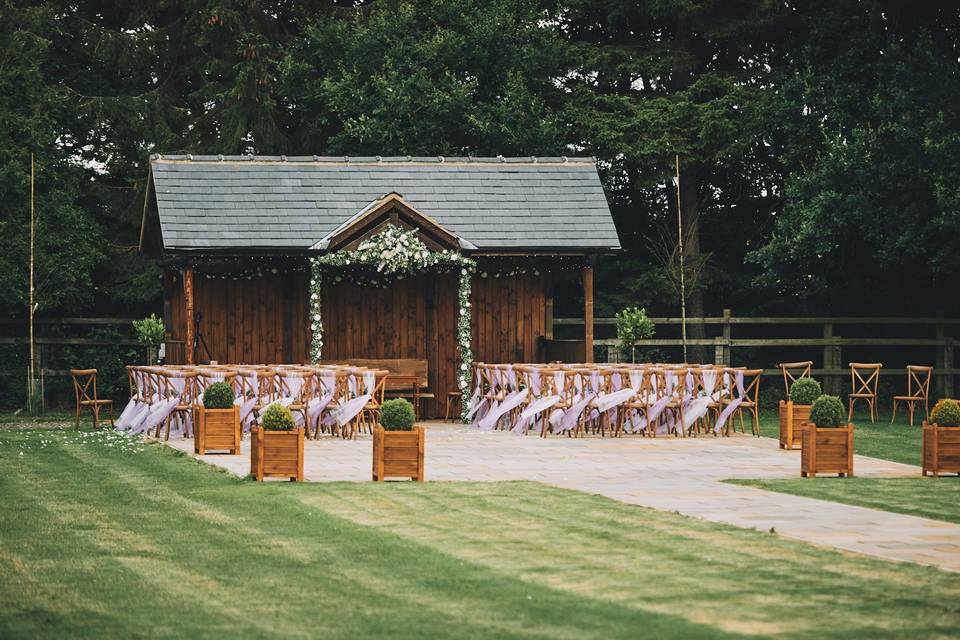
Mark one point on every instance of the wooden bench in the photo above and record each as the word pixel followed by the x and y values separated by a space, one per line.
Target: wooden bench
pixel 408 377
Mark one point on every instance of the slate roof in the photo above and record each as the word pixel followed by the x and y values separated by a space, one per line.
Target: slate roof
pixel 279 203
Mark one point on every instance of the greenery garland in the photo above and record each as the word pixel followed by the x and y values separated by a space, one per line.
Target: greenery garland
pixel 391 254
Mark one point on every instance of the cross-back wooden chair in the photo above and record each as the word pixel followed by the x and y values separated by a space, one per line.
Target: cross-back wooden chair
pixel 918 390
pixel 749 401
pixel 863 384
pixel 85 390
pixel 186 402
pixel 793 371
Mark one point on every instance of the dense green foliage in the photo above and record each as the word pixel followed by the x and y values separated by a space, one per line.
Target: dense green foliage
pixel 805 391
pixel 218 395
pixel 828 411
pixel 397 415
pixel 818 142
pixel 946 413
pixel 277 417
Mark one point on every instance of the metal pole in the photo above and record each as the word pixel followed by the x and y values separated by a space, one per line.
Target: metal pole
pixel 683 282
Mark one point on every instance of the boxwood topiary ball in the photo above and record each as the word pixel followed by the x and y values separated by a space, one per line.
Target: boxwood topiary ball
pixel 827 411
pixel 946 413
pixel 277 417
pixel 805 391
pixel 397 415
pixel 219 395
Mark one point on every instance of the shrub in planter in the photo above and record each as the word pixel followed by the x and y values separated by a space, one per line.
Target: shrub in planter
pixel 397 444
pixel 277 417
pixel 150 331
pixel 941 439
pixel 827 411
pixel 946 413
pixel 827 440
pixel 397 415
pixel 276 445
pixel 805 391
pixel 795 411
pixel 218 395
pixel 217 423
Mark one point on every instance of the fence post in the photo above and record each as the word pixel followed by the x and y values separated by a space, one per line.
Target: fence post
pixel 940 359
pixel 947 364
pixel 830 384
pixel 727 356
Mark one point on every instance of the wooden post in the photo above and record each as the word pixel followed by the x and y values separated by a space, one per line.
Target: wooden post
pixel 33 361
pixel 948 364
pixel 188 297
pixel 940 357
pixel 829 381
pixel 588 314
pixel 727 356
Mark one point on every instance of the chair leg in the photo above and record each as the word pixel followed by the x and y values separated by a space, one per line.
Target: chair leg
pixel 894 416
pixel 110 409
pixel 850 411
pixel 78 416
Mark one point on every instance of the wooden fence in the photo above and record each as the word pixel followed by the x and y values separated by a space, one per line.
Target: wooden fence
pixel 826 350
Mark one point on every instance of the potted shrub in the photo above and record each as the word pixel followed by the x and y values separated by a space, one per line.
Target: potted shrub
pixel 150 332
pixel 796 411
pixel 941 439
pixel 397 444
pixel 276 445
pixel 633 325
pixel 827 440
pixel 217 422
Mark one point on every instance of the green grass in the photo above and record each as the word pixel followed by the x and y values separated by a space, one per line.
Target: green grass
pixel 100 537
pixel 898 442
pixel 938 499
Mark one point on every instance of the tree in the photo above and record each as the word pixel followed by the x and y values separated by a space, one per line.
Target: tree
pixel 674 78
pixel 873 132
pixel 440 77
pixel 32 106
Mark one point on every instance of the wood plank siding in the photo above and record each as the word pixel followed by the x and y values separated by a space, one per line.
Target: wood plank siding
pixel 265 320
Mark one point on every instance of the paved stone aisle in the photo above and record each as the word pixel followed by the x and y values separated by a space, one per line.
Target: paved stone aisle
pixel 682 475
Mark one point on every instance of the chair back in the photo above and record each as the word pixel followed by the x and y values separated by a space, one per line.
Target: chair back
pixel 918 380
pixel 793 371
pixel 751 385
pixel 864 377
pixel 84 384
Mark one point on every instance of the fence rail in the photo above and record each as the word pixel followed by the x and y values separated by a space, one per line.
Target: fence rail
pixel 828 345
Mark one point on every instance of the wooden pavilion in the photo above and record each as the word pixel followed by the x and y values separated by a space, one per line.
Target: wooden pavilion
pixel 235 235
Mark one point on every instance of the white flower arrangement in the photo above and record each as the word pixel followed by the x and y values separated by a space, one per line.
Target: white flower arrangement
pixel 392 254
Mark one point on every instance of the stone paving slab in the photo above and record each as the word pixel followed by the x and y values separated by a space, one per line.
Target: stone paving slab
pixel 683 475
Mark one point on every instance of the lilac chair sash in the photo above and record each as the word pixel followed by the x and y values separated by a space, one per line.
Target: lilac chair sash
pixel 734 404
pixel 697 407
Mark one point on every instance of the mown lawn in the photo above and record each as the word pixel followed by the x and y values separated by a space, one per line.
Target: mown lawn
pixel 898 442
pixel 104 538
pixel 938 499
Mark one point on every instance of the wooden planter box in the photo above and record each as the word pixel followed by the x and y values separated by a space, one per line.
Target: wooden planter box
pixel 826 450
pixel 217 429
pixel 792 418
pixel 397 454
pixel 276 454
pixel 941 449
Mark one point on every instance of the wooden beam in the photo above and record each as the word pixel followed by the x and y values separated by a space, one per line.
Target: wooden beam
pixel 188 297
pixel 588 314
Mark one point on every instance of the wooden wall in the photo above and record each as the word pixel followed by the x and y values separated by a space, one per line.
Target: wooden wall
pixel 265 320
pixel 257 321
pixel 413 318
pixel 508 318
